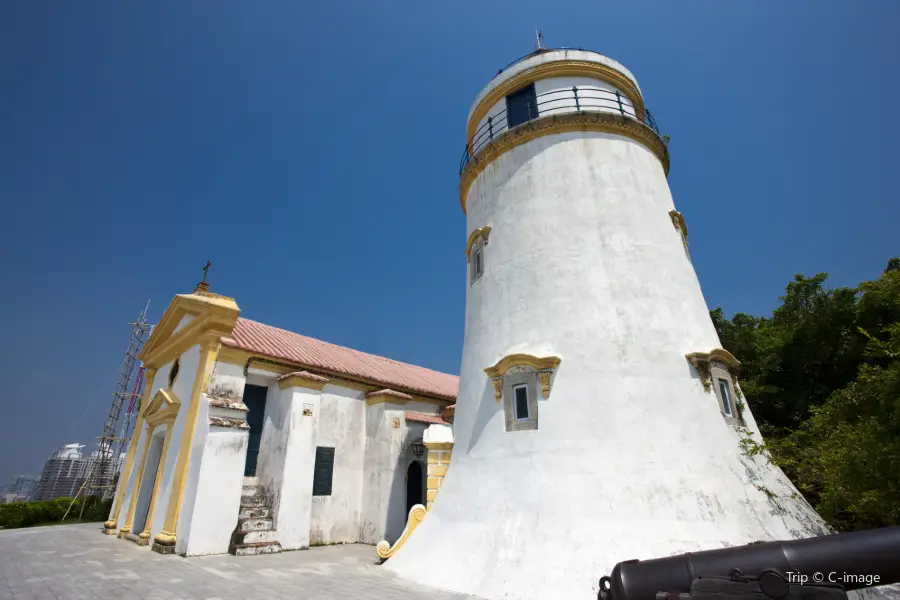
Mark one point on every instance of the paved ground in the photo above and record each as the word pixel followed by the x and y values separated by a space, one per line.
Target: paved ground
pixel 77 562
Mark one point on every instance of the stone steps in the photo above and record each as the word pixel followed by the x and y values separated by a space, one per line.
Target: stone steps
pixel 255 533
pixel 253 537
pixel 255 512
pixel 260 548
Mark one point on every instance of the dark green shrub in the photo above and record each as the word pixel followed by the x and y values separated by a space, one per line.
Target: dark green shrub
pixel 27 514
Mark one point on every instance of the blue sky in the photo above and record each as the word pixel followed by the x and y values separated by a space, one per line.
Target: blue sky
pixel 310 150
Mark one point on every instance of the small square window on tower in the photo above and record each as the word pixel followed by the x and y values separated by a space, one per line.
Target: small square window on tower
pixel 726 397
pixel 520 406
pixel 475 246
pixel 520 393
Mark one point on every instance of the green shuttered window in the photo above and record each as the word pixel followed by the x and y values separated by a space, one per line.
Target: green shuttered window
pixel 323 472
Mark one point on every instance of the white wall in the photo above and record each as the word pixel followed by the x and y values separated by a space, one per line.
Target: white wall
pixel 210 513
pixel 183 386
pixel 384 491
pixel 211 503
pixel 131 483
pixel 274 441
pixel 148 478
pixel 631 458
pixel 341 424
pixel 395 508
pixel 294 512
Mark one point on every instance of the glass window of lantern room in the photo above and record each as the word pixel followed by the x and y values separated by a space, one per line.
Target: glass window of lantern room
pixel 521 106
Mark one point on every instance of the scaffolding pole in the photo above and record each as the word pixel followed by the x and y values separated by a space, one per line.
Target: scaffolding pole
pixel 116 430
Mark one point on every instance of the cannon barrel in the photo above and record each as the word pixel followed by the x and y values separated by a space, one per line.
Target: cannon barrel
pixel 858 553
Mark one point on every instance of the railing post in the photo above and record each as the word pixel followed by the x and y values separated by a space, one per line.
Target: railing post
pixel 575 91
pixel 490 128
pixel 619 100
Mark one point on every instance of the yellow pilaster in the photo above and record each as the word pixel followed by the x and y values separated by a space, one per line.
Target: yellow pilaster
pixel 148 524
pixel 109 527
pixel 439 454
pixel 164 542
pixel 129 515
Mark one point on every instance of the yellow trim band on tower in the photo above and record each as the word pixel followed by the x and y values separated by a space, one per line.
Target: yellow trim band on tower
pixel 559 68
pixel 603 122
pixel 109 527
pixel 165 539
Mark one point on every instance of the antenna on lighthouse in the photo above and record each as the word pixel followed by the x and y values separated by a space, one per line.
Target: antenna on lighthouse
pixel 540 38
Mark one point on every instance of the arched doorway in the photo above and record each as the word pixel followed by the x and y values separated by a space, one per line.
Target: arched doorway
pixel 415 485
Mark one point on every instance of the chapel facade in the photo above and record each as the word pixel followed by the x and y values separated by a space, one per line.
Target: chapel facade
pixel 251 439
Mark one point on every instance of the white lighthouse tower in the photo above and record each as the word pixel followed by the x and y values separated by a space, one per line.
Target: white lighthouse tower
pixel 598 419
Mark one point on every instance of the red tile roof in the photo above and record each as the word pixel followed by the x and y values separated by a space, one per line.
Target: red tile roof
pixel 421 417
pixel 310 352
pixel 389 393
pixel 304 375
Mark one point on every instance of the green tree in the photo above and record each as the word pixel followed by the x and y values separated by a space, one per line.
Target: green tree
pixel 822 377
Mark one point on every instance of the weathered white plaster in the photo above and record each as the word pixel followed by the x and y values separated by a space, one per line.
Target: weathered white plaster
pixel 632 458
pixel 341 424
pixel 145 491
pixel 182 388
pixel 212 513
pixel 286 461
pixel 387 459
pixel 227 381
pixel 438 434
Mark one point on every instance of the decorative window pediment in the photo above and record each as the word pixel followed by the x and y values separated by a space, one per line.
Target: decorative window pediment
pixel 681 227
pixel 163 408
pixel 477 236
pixel 718 370
pixel 702 361
pixel 523 363
pixel 475 252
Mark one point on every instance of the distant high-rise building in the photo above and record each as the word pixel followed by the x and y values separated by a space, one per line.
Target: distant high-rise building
pixel 23 487
pixel 65 472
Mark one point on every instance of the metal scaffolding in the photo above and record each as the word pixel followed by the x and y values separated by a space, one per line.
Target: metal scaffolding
pixel 117 431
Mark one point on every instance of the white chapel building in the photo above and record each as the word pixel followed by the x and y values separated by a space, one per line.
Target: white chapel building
pixel 251 439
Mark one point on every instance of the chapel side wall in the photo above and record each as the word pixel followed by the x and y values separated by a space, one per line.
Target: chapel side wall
pixel 341 424
pixel 396 514
pixel 217 501
pixel 294 513
pixel 276 433
pixel 182 388
pixel 383 447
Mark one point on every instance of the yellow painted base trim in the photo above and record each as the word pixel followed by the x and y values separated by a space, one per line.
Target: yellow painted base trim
pixel 109 528
pixel 416 516
pixel 164 538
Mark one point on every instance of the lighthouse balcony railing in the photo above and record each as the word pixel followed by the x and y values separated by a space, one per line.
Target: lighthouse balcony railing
pixel 567 100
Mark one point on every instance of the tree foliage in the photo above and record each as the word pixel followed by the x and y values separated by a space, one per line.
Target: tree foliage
pixel 822 377
pixel 26 514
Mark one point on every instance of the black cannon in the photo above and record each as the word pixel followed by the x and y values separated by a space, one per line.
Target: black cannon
pixel 822 567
